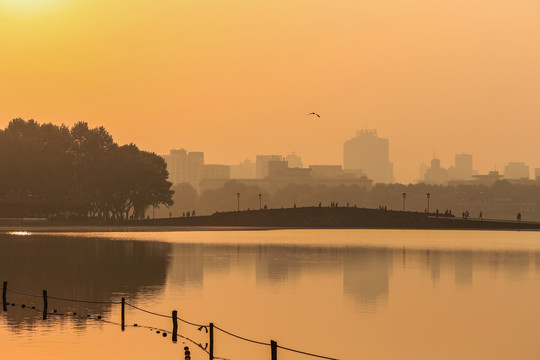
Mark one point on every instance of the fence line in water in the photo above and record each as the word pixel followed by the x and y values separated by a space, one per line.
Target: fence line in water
pixel 209 348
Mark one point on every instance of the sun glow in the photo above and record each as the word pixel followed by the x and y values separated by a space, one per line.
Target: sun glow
pixel 29 7
pixel 19 233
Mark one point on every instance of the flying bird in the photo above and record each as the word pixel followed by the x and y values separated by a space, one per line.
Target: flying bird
pixel 313 113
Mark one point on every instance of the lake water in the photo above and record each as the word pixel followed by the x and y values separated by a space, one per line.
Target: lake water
pixel 348 294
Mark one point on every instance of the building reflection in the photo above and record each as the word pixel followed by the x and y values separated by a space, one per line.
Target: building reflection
pixel 463 268
pixel 366 273
pixel 516 264
pixel 187 266
pixel 435 267
pixel 278 264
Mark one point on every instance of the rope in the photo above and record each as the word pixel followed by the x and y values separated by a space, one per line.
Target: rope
pixel 127 325
pixel 178 334
pixel 190 323
pixel 166 316
pixel 306 353
pixel 64 299
pixel 84 301
pixel 169 316
pixel 149 312
pixel 25 294
pixel 242 338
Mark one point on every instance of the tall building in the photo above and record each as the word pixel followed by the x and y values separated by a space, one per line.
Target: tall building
pixel 294 160
pixel 262 164
pixel 463 167
pixel 516 170
pixel 370 153
pixel 185 167
pixel 189 167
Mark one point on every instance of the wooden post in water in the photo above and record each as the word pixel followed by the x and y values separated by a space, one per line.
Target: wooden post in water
pixel 273 349
pixel 45 304
pixel 211 352
pixel 174 325
pixel 123 314
pixel 4 294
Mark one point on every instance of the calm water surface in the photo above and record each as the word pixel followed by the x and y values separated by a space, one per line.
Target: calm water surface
pixel 349 294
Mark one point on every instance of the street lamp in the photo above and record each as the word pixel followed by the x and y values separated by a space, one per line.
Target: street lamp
pixel 404 196
pixel 260 201
pixel 428 195
pixel 238 196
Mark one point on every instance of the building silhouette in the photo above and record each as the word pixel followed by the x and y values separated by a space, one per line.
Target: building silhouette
pixel 422 171
pixel 279 175
pixel 488 179
pixel 294 160
pixel 461 173
pixel 436 174
pixel 463 167
pixel 245 170
pixel 369 153
pixel 261 164
pixel 516 170
pixel 216 171
pixel 185 167
pixel 189 167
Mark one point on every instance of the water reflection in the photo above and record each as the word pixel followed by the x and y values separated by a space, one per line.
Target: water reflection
pixel 464 267
pixel 101 269
pixel 366 274
pixel 85 268
pixel 389 287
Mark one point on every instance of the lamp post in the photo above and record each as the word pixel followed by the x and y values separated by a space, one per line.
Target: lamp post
pixel 238 196
pixel 404 196
pixel 260 201
pixel 428 195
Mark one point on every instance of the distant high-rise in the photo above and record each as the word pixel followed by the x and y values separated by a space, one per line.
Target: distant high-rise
pixel 189 167
pixel 262 164
pixel 516 170
pixel 370 153
pixel 185 167
pixel 294 160
pixel 463 167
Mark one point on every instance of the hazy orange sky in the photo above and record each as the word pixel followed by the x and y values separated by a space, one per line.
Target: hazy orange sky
pixel 236 78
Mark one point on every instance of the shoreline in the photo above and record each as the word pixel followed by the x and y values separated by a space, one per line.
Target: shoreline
pixel 275 219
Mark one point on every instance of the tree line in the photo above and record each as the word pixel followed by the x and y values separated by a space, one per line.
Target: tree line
pixel 502 200
pixel 78 172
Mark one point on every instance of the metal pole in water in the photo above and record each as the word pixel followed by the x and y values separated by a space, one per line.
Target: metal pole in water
pixel 45 304
pixel 4 294
pixel 211 352
pixel 123 314
pixel 175 325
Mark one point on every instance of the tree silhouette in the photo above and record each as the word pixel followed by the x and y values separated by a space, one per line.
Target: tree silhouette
pixel 54 171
